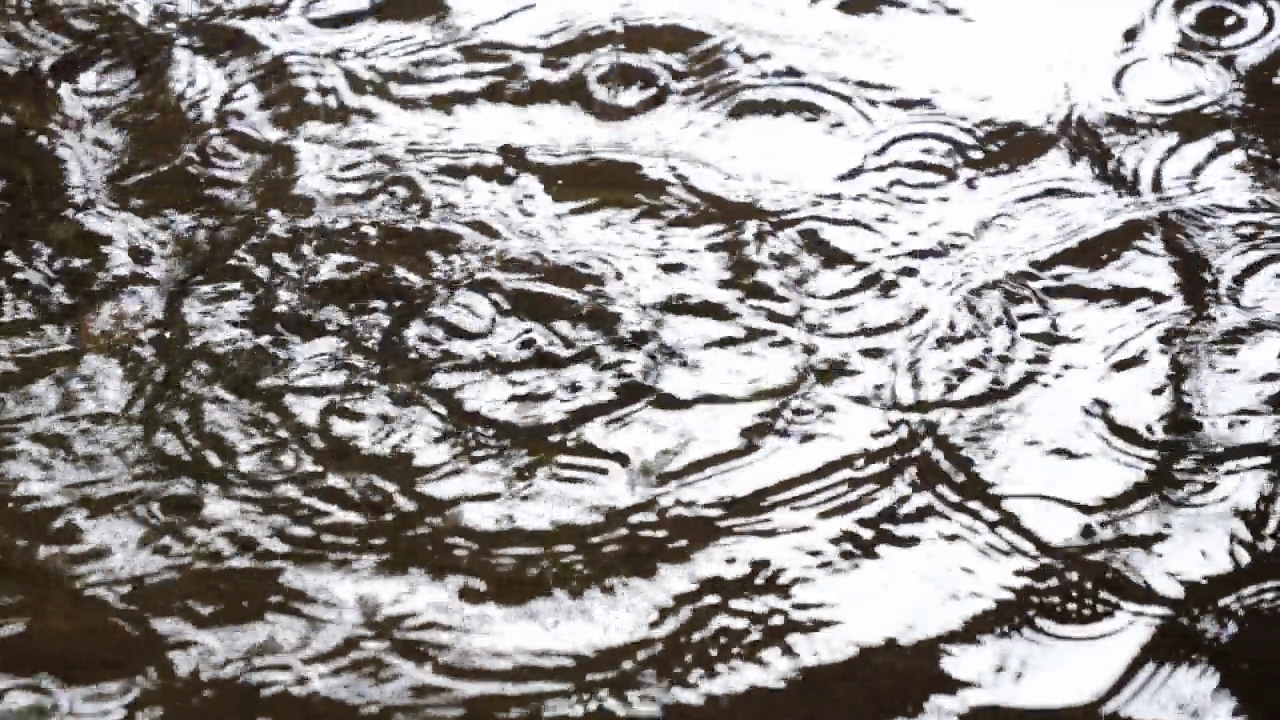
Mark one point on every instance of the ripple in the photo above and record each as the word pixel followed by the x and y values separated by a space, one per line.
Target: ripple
pixel 482 360
pixel 994 333
pixel 624 86
pixel 1163 86
pixel 1262 597
pixel 333 14
pixel 918 159
pixel 1085 440
pixel 227 163
pixel 200 84
pixel 1222 26
pixel 1165 689
pixel 1249 278
pixel 302 88
pixel 1173 163
pixel 1233 384
pixel 1024 669
pixel 614 72
pixel 47 697
pixel 781 97
pixel 1253 288
pixel 992 345
pixel 1217 40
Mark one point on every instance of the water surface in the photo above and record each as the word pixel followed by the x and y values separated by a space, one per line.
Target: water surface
pixel 899 359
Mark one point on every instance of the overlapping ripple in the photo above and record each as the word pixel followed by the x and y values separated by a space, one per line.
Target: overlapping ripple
pixel 402 359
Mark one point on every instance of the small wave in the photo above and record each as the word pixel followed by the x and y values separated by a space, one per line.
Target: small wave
pixel 995 332
pixel 1166 86
pixel 989 347
pixel 918 159
pixel 1172 163
pixel 624 86
pixel 1262 597
pixel 1243 248
pixel 1221 27
pixel 746 96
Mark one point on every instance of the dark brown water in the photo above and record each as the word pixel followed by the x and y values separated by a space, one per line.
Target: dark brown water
pixel 766 359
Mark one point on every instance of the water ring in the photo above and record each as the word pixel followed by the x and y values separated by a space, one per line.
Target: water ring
pixel 1171 84
pixel 624 85
pixel 1222 26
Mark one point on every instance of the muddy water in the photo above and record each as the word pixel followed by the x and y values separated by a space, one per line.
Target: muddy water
pixel 900 359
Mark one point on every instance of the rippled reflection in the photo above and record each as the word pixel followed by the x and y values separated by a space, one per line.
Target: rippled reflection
pixel 768 359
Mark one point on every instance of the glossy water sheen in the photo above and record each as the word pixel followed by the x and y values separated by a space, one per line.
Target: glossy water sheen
pixel 767 358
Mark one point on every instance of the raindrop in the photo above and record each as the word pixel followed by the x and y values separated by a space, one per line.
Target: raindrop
pixel 1222 26
pixel 624 85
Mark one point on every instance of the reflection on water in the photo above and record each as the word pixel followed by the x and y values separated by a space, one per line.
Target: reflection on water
pixel 765 359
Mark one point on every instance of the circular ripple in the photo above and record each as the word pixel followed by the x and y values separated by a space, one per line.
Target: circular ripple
pixel 624 85
pixel 809 100
pixel 918 160
pixel 988 331
pixel 980 345
pixel 1221 26
pixel 228 161
pixel 1252 282
pixel 1170 84
pixel 1173 163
